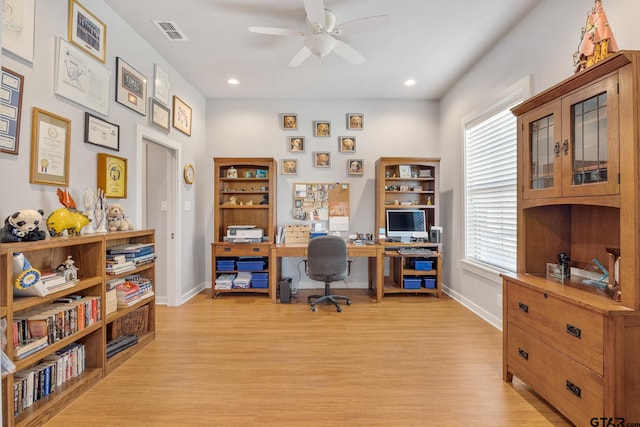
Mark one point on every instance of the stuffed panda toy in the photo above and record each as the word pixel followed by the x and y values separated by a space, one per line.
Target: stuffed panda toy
pixel 23 226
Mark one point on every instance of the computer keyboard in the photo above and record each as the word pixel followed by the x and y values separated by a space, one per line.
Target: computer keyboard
pixel 415 251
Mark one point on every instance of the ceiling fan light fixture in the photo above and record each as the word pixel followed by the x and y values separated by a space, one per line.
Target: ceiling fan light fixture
pixel 320 44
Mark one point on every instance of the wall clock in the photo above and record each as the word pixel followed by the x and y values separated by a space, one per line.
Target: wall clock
pixel 189 173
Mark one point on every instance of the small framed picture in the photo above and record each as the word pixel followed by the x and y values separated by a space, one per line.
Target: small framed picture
pixel 12 86
pixel 182 114
pixel 355 166
pixel 347 144
pixel 322 159
pixel 355 121
pixel 405 171
pixel 321 128
pixel 100 132
pixel 50 144
pixel 289 167
pixel 131 87
pixel 112 175
pixel 161 84
pixel 289 121
pixel 296 144
pixel 86 31
pixel 160 115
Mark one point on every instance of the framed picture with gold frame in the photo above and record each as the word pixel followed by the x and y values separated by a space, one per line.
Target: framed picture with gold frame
pixel 112 175
pixel 87 31
pixel 182 115
pixel 50 144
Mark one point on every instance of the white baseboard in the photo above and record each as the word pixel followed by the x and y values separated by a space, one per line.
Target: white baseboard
pixel 479 311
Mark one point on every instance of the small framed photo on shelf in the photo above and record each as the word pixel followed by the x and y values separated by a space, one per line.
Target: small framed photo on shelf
pixel 289 121
pixel 160 116
pixel 262 173
pixel 131 87
pixel 182 114
pixel 321 128
pixel 289 167
pixel 347 144
pixel 112 175
pixel 355 121
pixel 86 31
pixel 50 145
pixel 296 144
pixel 405 171
pixel 100 132
pixel 355 166
pixel 10 110
pixel 322 159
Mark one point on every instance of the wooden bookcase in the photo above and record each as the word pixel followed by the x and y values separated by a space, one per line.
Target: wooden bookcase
pixel 244 194
pixel 409 183
pixel 88 252
pixel 578 193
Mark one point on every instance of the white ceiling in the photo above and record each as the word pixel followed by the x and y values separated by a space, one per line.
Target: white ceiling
pixel 433 42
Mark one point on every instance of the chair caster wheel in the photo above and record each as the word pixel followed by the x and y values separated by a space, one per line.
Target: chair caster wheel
pixel 348 302
pixel 313 308
pixel 339 309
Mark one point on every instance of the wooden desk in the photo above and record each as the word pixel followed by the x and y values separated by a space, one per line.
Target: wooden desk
pixel 373 252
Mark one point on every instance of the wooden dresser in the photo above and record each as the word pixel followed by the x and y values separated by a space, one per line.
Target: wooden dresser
pixel 578 193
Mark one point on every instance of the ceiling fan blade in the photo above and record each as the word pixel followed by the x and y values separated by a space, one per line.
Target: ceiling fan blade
pixel 276 31
pixel 315 12
pixel 300 57
pixel 347 52
pixel 362 25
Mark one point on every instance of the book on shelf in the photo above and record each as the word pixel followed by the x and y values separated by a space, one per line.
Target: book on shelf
pixel 30 346
pixel 131 248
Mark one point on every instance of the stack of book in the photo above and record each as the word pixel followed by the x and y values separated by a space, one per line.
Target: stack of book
pixel 112 295
pixel 118 263
pixel 127 294
pixel 138 253
pixel 122 342
pixel 29 346
pixel 55 281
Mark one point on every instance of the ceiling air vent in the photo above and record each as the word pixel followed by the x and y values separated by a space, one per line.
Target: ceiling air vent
pixel 170 30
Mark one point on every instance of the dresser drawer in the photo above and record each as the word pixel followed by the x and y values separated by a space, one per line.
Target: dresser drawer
pixel 240 249
pixel 572 388
pixel 573 330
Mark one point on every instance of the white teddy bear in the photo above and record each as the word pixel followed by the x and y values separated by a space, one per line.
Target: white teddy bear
pixel 117 220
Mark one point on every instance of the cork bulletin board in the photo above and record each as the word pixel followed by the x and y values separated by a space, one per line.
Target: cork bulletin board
pixel 322 202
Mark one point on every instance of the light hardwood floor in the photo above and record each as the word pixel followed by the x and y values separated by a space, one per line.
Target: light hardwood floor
pixel 243 361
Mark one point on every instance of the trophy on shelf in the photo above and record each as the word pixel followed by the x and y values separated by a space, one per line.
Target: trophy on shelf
pixel 100 212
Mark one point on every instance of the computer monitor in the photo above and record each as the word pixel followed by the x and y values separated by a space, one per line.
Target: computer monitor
pixel 404 223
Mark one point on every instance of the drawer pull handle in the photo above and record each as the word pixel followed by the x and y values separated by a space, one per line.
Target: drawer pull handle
pixel 523 307
pixel 256 249
pixel 523 354
pixel 574 331
pixel 227 249
pixel 574 389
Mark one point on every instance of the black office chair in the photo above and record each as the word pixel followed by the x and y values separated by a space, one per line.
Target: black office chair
pixel 327 262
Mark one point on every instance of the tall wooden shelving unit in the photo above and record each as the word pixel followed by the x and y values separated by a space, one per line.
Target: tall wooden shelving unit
pixel 251 182
pixel 578 193
pixel 420 189
pixel 88 252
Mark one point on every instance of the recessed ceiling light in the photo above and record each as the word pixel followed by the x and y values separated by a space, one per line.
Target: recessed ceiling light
pixel 409 82
pixel 233 82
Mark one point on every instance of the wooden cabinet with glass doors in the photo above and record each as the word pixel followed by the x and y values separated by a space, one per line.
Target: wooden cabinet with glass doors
pixel 574 341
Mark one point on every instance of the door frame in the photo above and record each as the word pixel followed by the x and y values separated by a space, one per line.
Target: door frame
pixel 174 251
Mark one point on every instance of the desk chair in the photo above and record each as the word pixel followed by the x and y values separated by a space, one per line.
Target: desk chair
pixel 327 262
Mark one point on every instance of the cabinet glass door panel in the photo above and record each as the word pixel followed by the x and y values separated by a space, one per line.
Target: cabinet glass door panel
pixel 590 159
pixel 589 136
pixel 541 130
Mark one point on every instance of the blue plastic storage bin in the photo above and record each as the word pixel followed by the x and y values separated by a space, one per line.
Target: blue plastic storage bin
pixel 423 265
pixel 225 265
pixel 250 265
pixel 411 283
pixel 429 283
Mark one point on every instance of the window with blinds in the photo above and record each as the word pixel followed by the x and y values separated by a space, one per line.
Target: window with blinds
pixel 490 186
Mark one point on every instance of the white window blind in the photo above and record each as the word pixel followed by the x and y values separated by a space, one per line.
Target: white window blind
pixel 490 186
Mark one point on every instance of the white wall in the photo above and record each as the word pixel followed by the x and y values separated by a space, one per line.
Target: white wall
pixel 17 193
pixel 251 128
pixel 542 45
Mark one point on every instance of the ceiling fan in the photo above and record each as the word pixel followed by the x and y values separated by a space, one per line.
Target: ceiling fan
pixel 321 37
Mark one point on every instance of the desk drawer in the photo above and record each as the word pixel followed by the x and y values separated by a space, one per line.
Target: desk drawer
pixel 573 330
pixel 239 249
pixel 574 389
